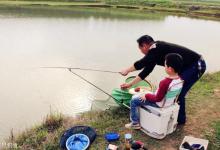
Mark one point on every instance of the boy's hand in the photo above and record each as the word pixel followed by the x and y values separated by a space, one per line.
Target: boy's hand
pixel 143 98
pixel 125 85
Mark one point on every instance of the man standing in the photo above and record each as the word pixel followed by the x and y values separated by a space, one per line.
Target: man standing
pixel 155 51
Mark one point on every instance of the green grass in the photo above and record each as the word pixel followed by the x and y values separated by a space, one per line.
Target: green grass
pixel 35 137
pixel 214 136
pixel 199 8
pixel 217 135
pixel 203 106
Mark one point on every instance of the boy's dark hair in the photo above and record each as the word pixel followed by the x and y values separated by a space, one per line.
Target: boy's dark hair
pixel 175 61
pixel 145 39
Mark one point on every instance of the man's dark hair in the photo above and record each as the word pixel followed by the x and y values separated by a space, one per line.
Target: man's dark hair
pixel 145 39
pixel 175 61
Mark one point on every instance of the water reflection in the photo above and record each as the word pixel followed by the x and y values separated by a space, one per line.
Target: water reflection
pixel 77 12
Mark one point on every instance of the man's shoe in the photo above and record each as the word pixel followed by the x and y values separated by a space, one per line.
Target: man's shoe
pixel 133 126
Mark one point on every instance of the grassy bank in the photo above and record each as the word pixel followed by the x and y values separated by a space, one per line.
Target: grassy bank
pixel 198 8
pixel 203 111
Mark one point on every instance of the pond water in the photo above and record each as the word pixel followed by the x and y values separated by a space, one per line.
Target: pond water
pixel 87 40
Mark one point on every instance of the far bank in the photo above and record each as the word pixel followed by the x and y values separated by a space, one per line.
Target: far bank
pixel 199 9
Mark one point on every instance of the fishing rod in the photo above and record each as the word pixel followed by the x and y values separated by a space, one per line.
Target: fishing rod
pixel 107 71
pixel 91 83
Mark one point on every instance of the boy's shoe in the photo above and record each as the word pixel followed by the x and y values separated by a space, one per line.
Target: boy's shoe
pixel 133 126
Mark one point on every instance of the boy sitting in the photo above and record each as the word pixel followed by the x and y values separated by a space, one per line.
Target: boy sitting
pixel 173 64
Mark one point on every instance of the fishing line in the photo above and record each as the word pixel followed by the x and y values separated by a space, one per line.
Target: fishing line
pixel 91 83
pixel 88 69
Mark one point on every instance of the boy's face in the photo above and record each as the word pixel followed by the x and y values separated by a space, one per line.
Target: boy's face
pixel 166 68
pixel 169 70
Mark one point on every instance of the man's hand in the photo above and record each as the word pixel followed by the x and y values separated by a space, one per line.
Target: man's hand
pixel 127 71
pixel 125 85
pixel 124 72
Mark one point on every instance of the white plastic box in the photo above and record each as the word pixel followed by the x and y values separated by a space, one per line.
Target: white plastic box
pixel 158 122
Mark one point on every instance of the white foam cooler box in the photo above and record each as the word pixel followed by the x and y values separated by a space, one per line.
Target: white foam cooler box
pixel 158 122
